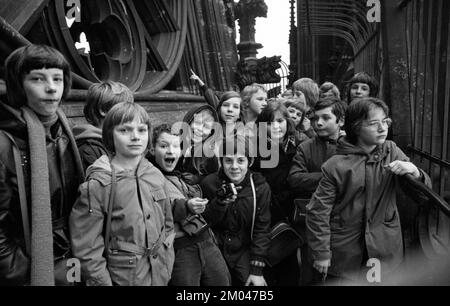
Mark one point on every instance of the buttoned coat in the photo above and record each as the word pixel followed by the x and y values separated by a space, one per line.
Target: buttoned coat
pixel 141 219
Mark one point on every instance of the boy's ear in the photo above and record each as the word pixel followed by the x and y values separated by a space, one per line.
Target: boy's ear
pixel 250 161
pixel 102 113
pixel 341 122
pixel 152 151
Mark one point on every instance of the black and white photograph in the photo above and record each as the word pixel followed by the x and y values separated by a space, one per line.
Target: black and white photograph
pixel 211 146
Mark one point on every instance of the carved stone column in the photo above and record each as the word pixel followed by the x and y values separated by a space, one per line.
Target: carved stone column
pixel 246 12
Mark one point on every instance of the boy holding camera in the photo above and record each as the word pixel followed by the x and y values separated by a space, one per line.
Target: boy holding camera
pixel 239 213
pixel 198 260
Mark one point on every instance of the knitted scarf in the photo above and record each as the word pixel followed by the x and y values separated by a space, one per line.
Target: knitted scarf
pixel 42 261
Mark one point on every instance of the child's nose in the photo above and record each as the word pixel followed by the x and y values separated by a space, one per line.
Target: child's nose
pixel 382 127
pixel 51 86
pixel 135 134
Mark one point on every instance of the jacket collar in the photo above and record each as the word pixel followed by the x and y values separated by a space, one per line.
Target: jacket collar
pixel 379 153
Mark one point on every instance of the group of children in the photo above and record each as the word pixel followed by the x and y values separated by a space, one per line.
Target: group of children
pixel 165 206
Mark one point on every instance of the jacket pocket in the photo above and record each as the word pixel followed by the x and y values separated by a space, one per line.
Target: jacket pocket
pixel 390 217
pixel 158 195
pixel 122 268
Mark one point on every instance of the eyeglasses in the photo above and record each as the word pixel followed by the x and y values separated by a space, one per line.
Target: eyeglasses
pixel 375 125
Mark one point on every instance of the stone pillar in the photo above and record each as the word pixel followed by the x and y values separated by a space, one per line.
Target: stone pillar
pixel 246 12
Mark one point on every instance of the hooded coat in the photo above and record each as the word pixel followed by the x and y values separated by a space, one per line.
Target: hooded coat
pixel 198 166
pixel 63 179
pixel 141 245
pixel 353 214
pixel 89 142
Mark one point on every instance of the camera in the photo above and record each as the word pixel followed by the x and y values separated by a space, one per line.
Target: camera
pixel 226 191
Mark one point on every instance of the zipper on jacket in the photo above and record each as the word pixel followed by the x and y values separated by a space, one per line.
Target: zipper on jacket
pixel 89 197
pixel 141 205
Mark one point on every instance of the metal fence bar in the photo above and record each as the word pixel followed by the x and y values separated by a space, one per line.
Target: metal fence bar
pixel 427 31
pixel 416 91
pixel 435 42
pixel 446 101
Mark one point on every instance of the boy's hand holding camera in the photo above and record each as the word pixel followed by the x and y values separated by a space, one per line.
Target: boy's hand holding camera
pixel 227 193
pixel 197 205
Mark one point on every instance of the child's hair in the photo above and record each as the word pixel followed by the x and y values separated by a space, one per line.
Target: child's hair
pixel 363 77
pixel 101 97
pixel 268 115
pixel 24 59
pixel 248 92
pixel 298 104
pixel 234 145
pixel 309 88
pixel 121 113
pixel 338 107
pixel 295 102
pixel 357 112
pixel 327 86
pixel 226 96
pixel 158 130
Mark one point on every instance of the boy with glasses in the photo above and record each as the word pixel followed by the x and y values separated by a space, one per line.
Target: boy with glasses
pixel 353 216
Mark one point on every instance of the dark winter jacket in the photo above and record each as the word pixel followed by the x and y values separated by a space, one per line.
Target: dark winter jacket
pixel 64 181
pixel 276 177
pixel 354 210
pixel 89 142
pixel 232 223
pixel 305 173
pixel 179 192
pixel 210 96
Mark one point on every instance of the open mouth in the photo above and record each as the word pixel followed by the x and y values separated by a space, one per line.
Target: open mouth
pixel 169 161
